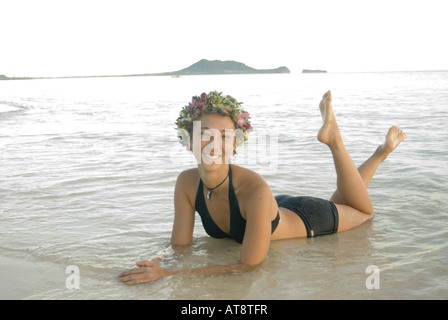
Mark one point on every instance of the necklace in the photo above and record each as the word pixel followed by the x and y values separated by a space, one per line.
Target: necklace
pixel 209 193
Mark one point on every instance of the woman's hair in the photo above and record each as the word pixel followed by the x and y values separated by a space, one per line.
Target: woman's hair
pixel 212 103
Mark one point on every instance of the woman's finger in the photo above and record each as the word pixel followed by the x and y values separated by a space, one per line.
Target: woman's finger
pixel 135 279
pixel 145 263
pixel 132 271
pixel 140 277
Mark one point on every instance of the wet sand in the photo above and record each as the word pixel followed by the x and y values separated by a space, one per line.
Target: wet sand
pixel 21 279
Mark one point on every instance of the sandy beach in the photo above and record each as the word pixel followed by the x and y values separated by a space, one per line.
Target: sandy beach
pixel 21 279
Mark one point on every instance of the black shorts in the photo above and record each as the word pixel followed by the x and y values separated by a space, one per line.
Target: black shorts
pixel 319 216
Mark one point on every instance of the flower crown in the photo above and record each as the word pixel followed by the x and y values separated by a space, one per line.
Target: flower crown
pixel 215 103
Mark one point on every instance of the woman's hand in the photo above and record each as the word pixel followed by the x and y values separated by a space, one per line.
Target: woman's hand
pixel 147 271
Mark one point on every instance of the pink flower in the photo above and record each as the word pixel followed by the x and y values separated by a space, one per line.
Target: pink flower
pixel 243 120
pixel 203 96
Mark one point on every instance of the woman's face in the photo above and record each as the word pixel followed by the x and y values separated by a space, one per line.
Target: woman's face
pixel 216 142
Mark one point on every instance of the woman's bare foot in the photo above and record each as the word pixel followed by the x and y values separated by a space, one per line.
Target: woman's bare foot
pixel 329 132
pixel 393 139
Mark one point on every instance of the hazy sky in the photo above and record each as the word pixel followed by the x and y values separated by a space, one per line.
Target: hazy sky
pixel 78 37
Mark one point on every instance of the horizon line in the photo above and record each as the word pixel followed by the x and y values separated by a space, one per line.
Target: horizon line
pixel 171 74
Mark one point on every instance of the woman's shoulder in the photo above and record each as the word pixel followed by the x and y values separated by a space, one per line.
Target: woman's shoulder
pixel 184 181
pixel 188 176
pixel 247 179
pixel 252 191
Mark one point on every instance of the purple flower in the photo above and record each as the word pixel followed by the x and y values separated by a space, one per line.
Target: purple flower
pixel 198 104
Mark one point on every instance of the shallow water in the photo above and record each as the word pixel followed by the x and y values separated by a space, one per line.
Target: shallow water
pixel 87 172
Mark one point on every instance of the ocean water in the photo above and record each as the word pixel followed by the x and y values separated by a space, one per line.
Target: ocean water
pixel 88 166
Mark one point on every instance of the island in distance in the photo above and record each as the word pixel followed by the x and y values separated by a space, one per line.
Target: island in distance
pixel 202 67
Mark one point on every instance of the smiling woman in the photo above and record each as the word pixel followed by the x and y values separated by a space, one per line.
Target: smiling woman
pixel 243 207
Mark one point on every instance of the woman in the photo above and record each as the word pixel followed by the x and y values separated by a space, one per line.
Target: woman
pixel 237 203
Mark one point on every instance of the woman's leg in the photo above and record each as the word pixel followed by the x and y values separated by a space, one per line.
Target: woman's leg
pixel 353 201
pixel 369 167
pixel 350 185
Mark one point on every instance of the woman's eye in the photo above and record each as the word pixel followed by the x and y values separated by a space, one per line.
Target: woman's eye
pixel 206 136
pixel 227 137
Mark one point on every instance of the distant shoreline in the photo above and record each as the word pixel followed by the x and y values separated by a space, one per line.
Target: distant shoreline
pixel 75 77
pixel 202 67
pixel 125 76
pixel 5 78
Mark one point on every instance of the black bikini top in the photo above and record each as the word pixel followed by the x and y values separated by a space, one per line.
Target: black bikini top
pixel 237 222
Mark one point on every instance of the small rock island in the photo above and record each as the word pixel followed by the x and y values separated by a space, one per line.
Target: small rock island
pixel 313 71
pixel 204 67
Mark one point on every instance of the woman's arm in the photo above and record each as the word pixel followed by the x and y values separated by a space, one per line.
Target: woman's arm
pixel 253 251
pixel 183 225
pixel 259 209
pixel 150 271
